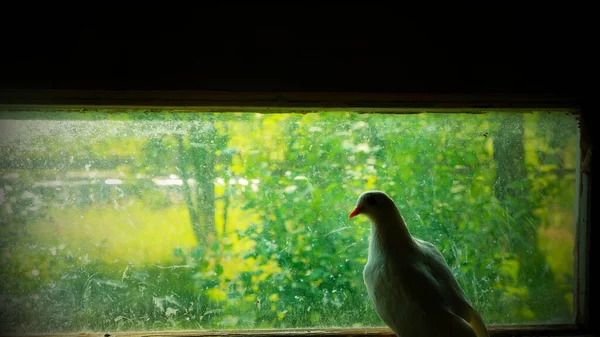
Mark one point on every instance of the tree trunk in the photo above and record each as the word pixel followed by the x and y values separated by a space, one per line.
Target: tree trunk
pixel 200 199
pixel 187 193
pixel 512 189
pixel 203 149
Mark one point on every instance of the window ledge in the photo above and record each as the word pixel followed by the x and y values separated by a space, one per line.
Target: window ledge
pixel 496 331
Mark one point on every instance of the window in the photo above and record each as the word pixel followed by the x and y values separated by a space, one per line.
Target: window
pixel 117 219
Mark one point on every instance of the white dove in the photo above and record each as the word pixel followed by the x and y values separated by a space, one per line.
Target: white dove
pixel 408 280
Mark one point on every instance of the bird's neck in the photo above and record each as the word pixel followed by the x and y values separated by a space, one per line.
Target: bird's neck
pixel 390 235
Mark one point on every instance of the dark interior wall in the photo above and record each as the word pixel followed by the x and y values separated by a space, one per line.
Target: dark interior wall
pixel 293 47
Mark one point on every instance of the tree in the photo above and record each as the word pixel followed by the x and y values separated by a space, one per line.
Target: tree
pixel 512 188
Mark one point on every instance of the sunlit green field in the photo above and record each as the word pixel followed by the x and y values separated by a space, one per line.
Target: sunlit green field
pixel 120 222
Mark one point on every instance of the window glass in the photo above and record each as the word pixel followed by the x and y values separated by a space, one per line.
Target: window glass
pixel 129 220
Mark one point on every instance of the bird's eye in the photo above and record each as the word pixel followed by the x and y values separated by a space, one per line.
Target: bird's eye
pixel 371 201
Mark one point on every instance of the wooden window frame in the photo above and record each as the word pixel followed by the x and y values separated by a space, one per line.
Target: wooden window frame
pixel 270 102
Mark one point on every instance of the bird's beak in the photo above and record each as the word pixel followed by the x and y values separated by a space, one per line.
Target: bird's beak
pixel 354 213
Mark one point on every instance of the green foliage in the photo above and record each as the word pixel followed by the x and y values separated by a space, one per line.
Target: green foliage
pixel 282 253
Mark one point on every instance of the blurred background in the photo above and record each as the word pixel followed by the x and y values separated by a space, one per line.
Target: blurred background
pixel 125 220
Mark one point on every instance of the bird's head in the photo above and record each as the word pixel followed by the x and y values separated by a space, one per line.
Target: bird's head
pixel 374 205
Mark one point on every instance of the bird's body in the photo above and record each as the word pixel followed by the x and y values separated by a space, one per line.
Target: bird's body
pixel 408 280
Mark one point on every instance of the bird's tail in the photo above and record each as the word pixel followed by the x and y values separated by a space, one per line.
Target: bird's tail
pixel 477 323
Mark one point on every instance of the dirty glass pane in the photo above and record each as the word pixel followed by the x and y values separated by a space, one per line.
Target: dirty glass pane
pixel 116 220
